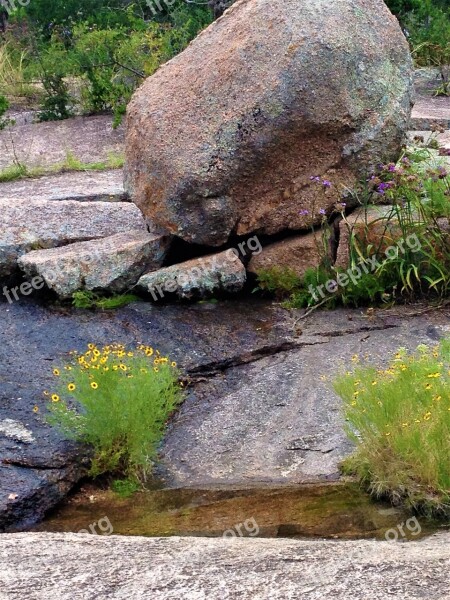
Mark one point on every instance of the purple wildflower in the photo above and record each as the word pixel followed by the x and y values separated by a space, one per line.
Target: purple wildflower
pixel 316 179
pixel 326 183
pixel 322 211
pixel 383 187
pixel 392 168
pixel 303 212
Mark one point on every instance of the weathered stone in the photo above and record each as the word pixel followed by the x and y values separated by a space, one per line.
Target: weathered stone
pixel 114 263
pixel 196 278
pixel 298 253
pixel 105 186
pixel 45 145
pixel 374 226
pixel 37 224
pixel 68 566
pixel 430 110
pixel 226 136
pixel 379 229
pixel 278 420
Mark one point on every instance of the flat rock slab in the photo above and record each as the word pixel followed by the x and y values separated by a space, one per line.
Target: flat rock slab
pixel 196 278
pixel 90 139
pixel 74 566
pixel 430 111
pixel 29 225
pixel 277 419
pixel 113 263
pixel 257 411
pixel 102 186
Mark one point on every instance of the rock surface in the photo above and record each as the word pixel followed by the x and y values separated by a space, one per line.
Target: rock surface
pixel 112 264
pixel 298 253
pixel 105 186
pixel 257 412
pixel 372 225
pixel 90 139
pixel 68 566
pixel 225 137
pixel 196 278
pixel 31 224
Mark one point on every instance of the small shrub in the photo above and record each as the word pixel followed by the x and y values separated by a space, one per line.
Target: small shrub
pixel 123 400
pixel 399 418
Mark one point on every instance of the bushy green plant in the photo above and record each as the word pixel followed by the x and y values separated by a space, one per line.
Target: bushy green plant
pixel 419 263
pixel 118 401
pixel 399 418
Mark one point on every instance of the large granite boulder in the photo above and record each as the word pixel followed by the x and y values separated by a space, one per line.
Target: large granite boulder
pixel 226 137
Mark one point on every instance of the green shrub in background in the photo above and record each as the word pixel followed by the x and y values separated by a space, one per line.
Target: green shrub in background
pixel 399 419
pixel 123 399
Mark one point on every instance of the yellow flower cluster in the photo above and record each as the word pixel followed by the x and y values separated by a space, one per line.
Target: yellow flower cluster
pixel 99 360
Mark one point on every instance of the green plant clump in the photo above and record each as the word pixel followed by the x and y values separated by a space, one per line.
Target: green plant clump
pixel 399 418
pixel 118 401
pixel 86 299
pixel 400 256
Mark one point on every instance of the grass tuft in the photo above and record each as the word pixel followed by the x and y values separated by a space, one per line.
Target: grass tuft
pixel 118 401
pixel 399 418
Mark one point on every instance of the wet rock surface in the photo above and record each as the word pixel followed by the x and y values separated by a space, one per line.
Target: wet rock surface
pixel 257 410
pixel 68 566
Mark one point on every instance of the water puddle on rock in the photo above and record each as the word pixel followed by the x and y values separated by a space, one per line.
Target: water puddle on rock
pixel 341 511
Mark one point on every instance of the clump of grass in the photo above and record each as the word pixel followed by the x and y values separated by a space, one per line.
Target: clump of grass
pixel 70 163
pixel 118 401
pixel 399 418
pixel 87 299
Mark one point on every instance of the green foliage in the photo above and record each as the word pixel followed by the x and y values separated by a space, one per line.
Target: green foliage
pixel 55 105
pixel 399 418
pixel 417 263
pixel 4 105
pixel 124 488
pixel 103 50
pixel 118 401
pixel 86 299
pixel 278 281
pixel 427 26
